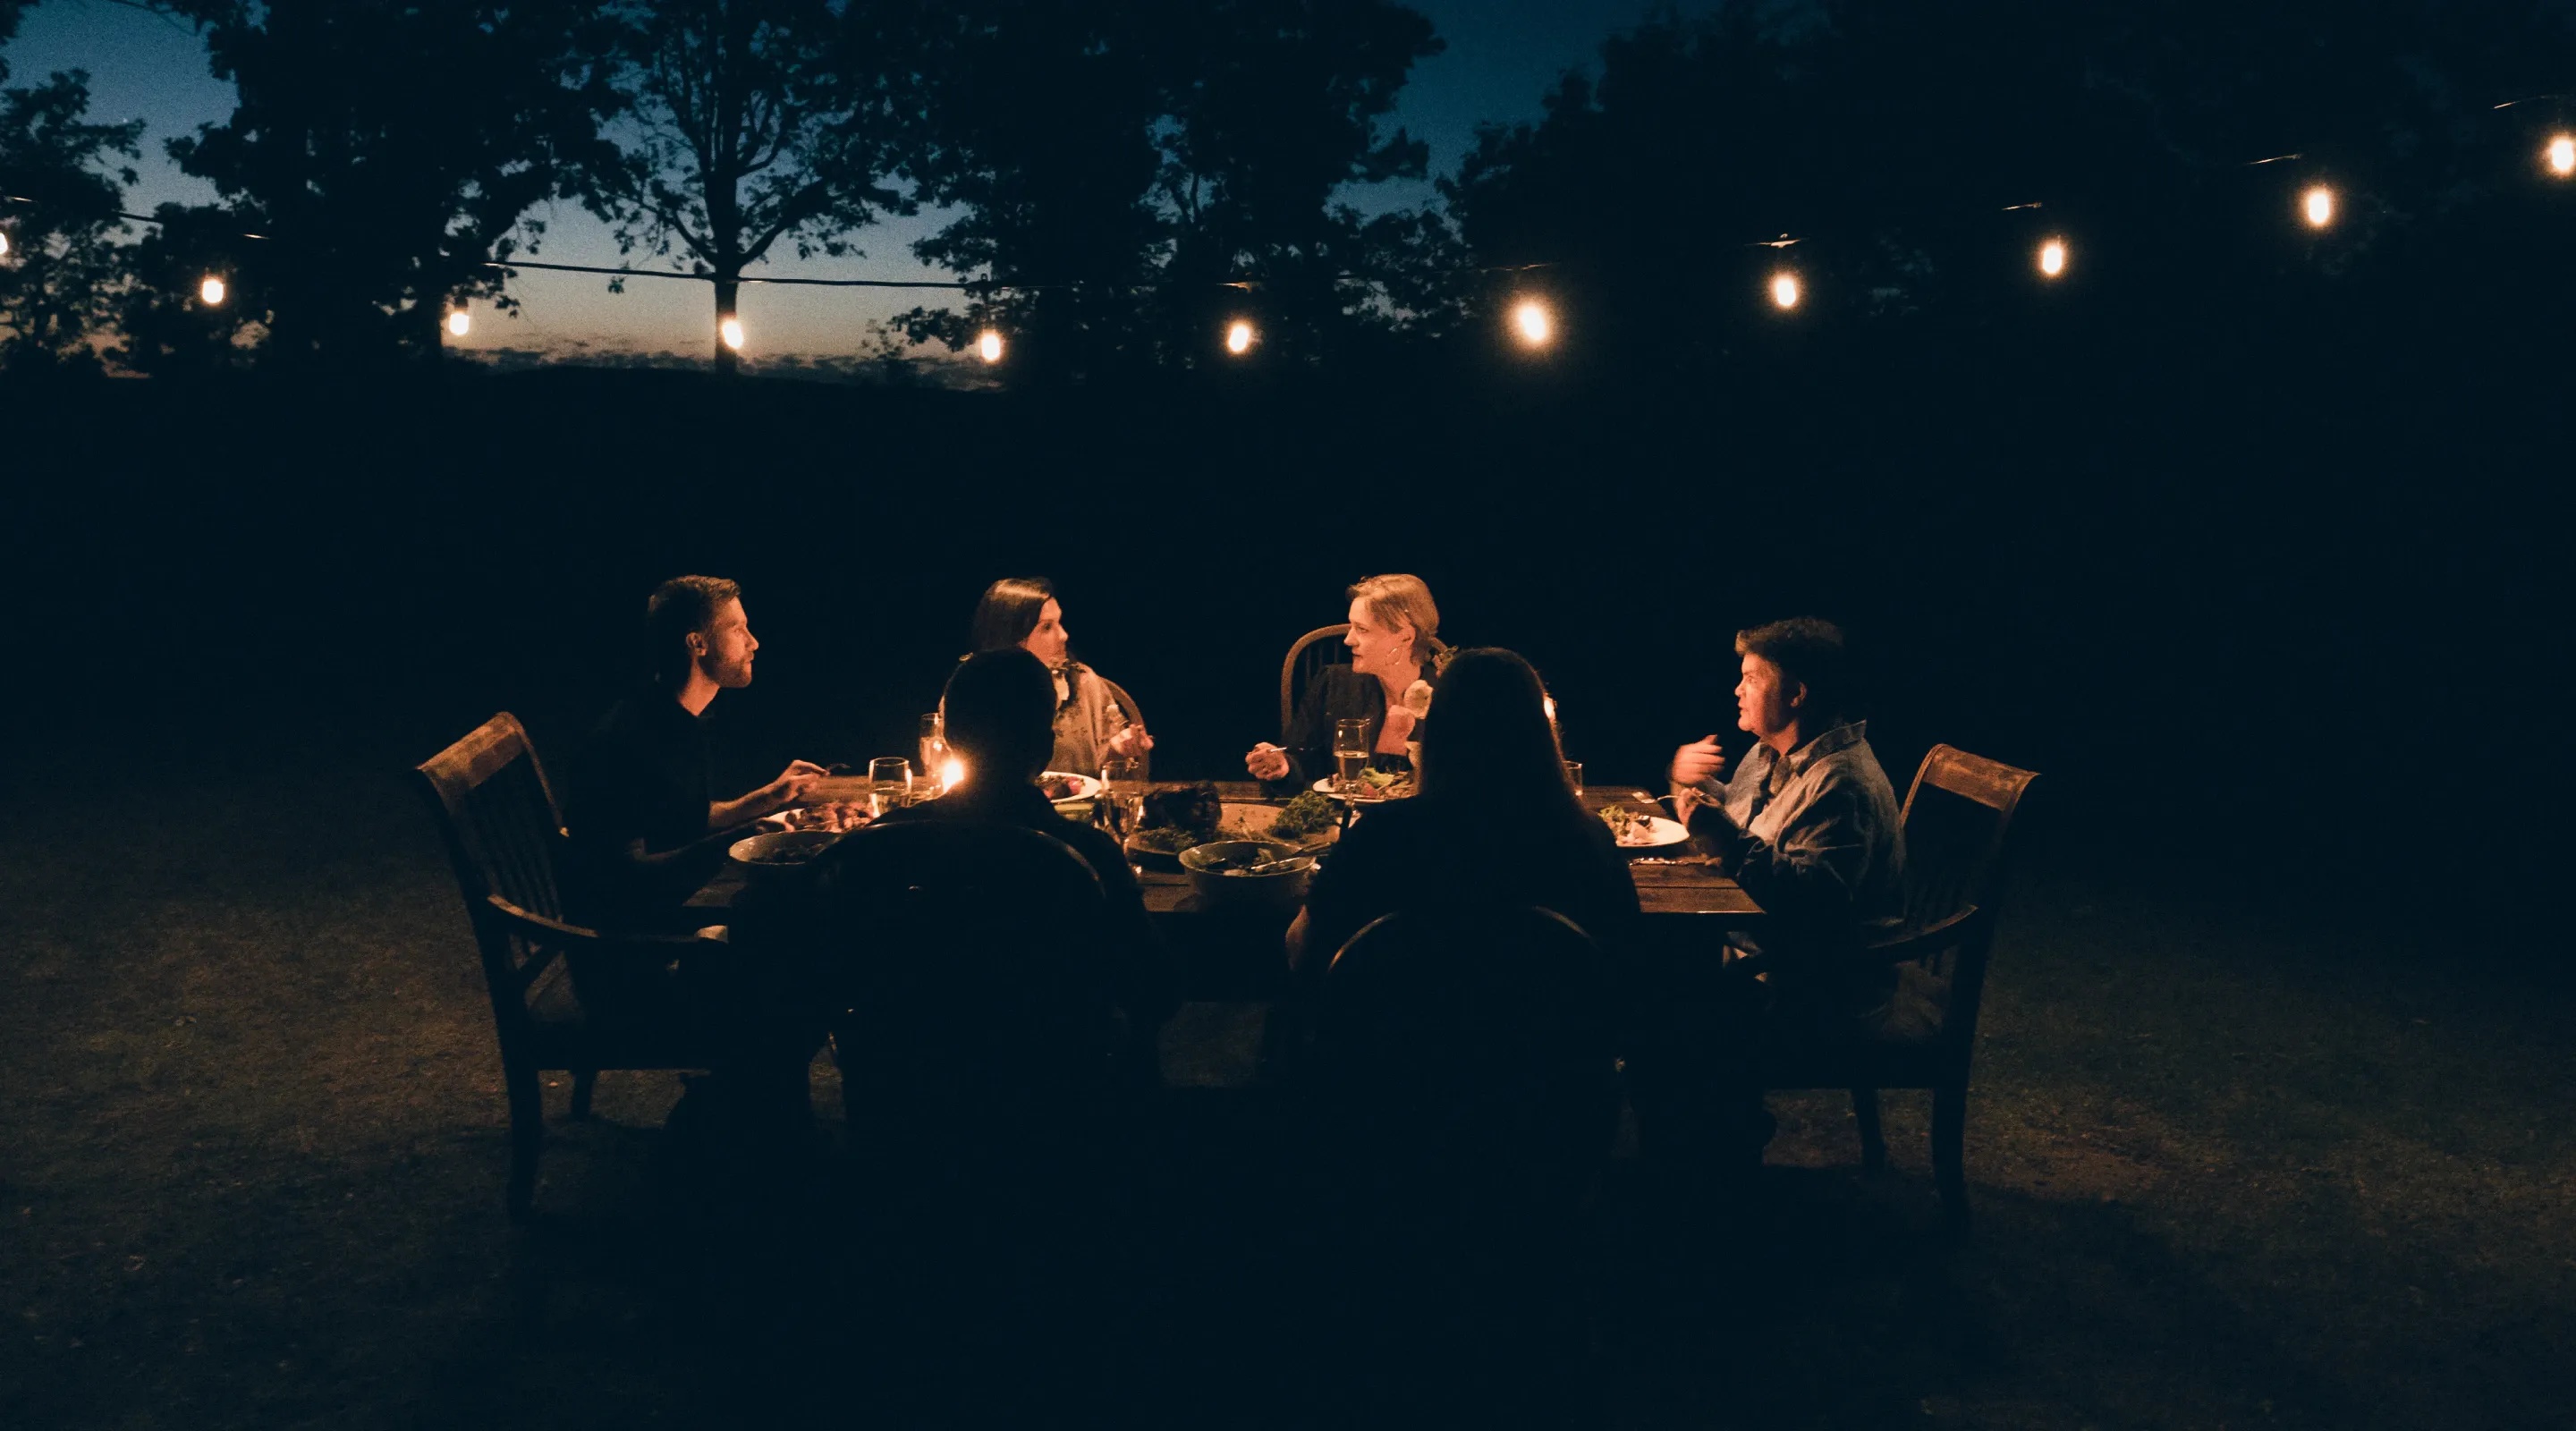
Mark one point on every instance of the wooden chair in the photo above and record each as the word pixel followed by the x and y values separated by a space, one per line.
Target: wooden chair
pixel 504 834
pixel 967 960
pixel 1955 817
pixel 1464 1094
pixel 1305 661
pixel 1126 703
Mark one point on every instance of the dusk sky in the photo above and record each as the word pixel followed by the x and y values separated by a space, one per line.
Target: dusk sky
pixel 1502 56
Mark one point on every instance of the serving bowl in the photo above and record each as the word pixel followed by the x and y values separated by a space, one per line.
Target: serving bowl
pixel 1219 878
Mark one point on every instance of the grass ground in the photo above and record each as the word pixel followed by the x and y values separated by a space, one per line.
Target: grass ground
pixel 2236 1164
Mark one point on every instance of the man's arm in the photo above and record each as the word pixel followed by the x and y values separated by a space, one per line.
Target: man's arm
pixel 792 787
pixel 1809 875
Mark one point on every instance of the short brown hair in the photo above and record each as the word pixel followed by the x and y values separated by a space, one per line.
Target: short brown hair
pixel 1811 652
pixel 678 609
pixel 1399 597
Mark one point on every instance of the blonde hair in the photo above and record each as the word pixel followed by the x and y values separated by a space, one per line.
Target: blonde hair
pixel 1399 598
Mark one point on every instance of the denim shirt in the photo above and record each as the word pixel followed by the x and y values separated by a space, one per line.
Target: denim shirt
pixel 1818 844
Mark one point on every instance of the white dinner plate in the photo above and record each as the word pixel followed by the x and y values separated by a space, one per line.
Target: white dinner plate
pixel 1087 786
pixel 1659 833
pixel 1324 787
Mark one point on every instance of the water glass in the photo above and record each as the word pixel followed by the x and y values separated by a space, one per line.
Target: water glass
pixel 889 783
pixel 1574 777
pixel 934 747
pixel 1122 796
pixel 1350 752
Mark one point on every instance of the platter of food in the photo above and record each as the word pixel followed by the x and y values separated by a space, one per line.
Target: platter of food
pixel 1063 785
pixel 1637 830
pixel 1374 786
pixel 1176 820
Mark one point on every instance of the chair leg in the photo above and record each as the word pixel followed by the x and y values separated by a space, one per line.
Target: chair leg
pixel 527 1139
pixel 1873 1143
pixel 583 1080
pixel 1949 1143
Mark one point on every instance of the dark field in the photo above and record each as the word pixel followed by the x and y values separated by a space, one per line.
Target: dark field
pixel 2234 1166
pixel 2270 1112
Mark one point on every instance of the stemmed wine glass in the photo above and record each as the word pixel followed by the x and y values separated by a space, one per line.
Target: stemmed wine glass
pixel 1122 796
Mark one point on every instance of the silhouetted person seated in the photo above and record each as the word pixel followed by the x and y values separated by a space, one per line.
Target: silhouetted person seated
pixel 646 830
pixel 1808 825
pixel 1001 726
pixel 1494 822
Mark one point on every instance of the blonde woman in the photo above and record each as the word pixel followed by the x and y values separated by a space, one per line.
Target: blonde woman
pixel 1395 650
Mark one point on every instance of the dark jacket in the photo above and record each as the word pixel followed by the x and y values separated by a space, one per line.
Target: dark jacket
pixel 636 807
pixel 1337 693
pixel 1141 978
pixel 1423 851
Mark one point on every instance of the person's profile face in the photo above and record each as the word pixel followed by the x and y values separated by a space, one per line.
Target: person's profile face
pixel 1764 698
pixel 1375 648
pixel 1049 641
pixel 725 648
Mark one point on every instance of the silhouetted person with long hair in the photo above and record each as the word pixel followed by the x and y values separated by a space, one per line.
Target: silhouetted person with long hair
pixel 1494 821
pixel 1023 613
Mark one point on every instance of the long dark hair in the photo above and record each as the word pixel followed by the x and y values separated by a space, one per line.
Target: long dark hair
pixel 1487 740
pixel 1009 612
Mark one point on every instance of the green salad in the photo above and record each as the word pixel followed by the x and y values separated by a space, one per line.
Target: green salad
pixel 1308 815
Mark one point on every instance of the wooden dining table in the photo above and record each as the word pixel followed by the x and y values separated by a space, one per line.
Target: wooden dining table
pixel 1236 953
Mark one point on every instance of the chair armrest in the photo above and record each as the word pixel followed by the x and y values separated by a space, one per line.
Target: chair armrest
pixel 1912 944
pixel 1969 923
pixel 555 934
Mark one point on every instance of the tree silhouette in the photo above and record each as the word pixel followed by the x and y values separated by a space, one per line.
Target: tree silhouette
pixel 1274 106
pixel 742 123
pixel 391 151
pixel 1115 166
pixel 1037 120
pixel 1891 138
pixel 59 280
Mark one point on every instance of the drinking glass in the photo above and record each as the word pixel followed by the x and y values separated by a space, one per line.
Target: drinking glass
pixel 1122 796
pixel 934 748
pixel 889 783
pixel 1574 777
pixel 1350 753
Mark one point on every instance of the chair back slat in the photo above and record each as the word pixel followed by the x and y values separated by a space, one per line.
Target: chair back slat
pixel 502 829
pixel 970 961
pixel 1126 703
pixel 1475 1044
pixel 1956 817
pixel 1308 655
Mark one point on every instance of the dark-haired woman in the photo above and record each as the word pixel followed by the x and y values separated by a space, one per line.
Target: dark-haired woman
pixel 1494 822
pixel 1090 726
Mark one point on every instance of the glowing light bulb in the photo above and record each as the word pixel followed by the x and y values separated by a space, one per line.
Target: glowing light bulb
pixel 731 331
pixel 2052 257
pixel 2319 206
pixel 211 292
pixel 989 346
pixel 1784 290
pixel 952 773
pixel 1238 338
pixel 459 322
pixel 1533 321
pixel 2562 156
